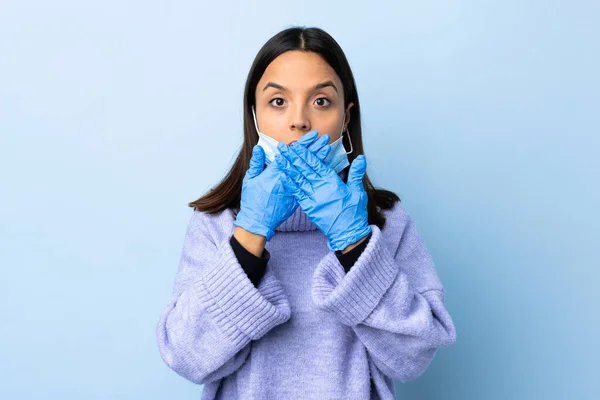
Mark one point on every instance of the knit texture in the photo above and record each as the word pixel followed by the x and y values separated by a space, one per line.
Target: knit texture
pixel 309 330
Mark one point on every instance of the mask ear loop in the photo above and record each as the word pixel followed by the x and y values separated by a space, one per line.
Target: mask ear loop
pixel 350 140
pixel 255 122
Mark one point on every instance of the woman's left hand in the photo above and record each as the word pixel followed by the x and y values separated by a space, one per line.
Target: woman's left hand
pixel 338 209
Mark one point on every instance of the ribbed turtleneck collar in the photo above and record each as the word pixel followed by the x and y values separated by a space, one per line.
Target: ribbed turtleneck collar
pixel 298 221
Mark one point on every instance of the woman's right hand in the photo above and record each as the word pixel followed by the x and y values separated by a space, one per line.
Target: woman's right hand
pixel 265 203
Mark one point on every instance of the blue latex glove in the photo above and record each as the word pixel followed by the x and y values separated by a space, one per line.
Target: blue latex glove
pixel 265 203
pixel 338 209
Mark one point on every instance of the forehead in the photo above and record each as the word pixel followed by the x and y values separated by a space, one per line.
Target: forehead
pixel 298 70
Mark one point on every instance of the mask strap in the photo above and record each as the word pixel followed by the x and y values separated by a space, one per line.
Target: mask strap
pixel 342 134
pixel 255 123
pixel 350 140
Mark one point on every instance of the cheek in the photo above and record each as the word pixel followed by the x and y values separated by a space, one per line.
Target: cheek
pixel 277 130
pixel 331 125
pixel 276 126
pixel 332 130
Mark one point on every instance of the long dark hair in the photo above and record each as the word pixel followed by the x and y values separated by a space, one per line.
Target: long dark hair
pixel 227 193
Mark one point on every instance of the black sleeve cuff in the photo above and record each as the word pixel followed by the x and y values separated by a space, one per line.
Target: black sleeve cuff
pixel 347 260
pixel 253 266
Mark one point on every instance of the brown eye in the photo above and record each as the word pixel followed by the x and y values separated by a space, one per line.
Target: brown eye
pixel 325 99
pixel 276 98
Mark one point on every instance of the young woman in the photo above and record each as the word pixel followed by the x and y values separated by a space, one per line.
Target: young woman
pixel 298 279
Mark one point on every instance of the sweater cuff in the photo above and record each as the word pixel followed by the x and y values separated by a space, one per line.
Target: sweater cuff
pixel 347 260
pixel 253 266
pixel 353 296
pixel 239 308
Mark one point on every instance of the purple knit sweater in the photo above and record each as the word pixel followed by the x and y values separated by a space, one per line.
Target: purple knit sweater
pixel 309 330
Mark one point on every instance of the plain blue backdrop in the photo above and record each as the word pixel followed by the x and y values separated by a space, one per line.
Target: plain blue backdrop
pixel 482 115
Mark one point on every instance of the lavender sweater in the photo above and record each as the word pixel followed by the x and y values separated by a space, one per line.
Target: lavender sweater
pixel 309 330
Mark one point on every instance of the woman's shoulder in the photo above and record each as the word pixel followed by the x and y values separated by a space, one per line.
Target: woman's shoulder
pixel 212 217
pixel 396 216
pixel 400 228
pixel 409 248
pixel 217 225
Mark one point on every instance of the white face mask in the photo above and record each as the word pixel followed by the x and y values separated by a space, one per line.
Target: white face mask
pixel 337 158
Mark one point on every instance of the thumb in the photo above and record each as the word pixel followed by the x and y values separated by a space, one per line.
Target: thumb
pixel 356 173
pixel 257 162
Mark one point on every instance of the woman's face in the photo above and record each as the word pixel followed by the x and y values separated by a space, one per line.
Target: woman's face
pixel 300 92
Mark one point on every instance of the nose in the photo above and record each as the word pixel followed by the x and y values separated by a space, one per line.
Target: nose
pixel 299 120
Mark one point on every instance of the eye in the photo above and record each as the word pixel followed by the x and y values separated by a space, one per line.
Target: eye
pixel 279 102
pixel 324 98
pixel 276 98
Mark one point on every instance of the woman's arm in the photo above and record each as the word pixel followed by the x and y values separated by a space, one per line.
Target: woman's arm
pixel 393 300
pixel 215 311
pixel 252 242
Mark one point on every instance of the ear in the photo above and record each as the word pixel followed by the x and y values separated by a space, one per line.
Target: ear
pixel 347 120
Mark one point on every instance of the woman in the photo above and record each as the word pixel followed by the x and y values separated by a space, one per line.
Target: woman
pixel 298 279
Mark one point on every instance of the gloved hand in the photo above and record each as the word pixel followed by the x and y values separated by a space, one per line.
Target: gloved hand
pixel 338 209
pixel 265 203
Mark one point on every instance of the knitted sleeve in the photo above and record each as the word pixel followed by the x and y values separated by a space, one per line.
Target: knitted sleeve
pixel 215 311
pixel 392 298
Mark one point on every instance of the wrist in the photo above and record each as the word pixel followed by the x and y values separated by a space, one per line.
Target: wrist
pixel 348 243
pixel 254 243
pixel 352 246
pixel 251 225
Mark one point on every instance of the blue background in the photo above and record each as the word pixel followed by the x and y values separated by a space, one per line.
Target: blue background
pixel 482 115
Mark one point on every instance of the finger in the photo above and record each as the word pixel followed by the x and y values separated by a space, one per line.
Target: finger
pixel 293 154
pixel 356 173
pixel 315 143
pixel 291 171
pixel 256 162
pixel 319 146
pixel 293 188
pixel 308 138
pixel 312 163
pixel 323 152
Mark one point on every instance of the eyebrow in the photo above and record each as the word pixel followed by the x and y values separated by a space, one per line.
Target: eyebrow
pixel 317 87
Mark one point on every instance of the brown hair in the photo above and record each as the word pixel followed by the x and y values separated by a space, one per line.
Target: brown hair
pixel 227 194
